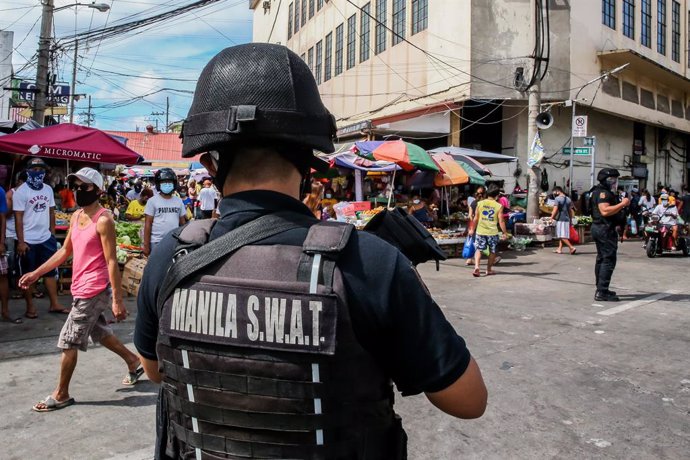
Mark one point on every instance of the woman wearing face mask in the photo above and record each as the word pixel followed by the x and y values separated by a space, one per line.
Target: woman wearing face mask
pixel 328 198
pixel 419 209
pixel 96 287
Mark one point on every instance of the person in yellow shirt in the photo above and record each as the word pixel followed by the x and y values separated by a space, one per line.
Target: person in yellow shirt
pixel 135 209
pixel 489 212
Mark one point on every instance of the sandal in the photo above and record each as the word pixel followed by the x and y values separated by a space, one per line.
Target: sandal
pixel 133 377
pixel 490 272
pixel 38 295
pixel 50 404
pixel 476 273
pixel 573 251
pixel 33 315
pixel 11 320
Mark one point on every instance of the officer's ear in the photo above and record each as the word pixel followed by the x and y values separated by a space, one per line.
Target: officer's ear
pixel 210 163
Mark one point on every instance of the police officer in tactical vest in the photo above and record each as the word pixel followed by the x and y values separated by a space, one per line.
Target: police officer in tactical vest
pixel 607 214
pixel 274 335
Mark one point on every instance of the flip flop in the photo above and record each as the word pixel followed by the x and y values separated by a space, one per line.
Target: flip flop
pixel 31 315
pixel 12 320
pixel 38 295
pixel 63 311
pixel 573 251
pixel 557 252
pixel 490 273
pixel 476 273
pixel 51 404
pixel 133 377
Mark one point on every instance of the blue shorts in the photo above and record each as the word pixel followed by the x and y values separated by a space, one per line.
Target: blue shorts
pixel 484 241
pixel 38 255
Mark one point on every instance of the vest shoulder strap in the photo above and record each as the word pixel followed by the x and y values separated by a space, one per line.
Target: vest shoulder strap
pixel 325 240
pixel 193 235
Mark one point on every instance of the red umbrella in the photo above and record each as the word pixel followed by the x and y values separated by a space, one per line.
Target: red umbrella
pixel 70 142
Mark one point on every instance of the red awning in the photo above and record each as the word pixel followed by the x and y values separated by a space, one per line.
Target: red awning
pixel 70 142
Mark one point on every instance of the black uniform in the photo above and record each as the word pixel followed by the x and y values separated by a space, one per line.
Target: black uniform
pixel 605 236
pixel 393 317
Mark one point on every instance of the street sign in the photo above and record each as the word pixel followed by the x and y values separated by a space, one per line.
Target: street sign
pixel 580 126
pixel 582 151
pixel 590 141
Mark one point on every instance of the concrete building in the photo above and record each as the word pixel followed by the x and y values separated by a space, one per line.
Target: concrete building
pixel 6 47
pixel 445 72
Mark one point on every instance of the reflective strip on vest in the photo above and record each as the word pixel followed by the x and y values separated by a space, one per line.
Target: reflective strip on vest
pixel 313 285
pixel 190 395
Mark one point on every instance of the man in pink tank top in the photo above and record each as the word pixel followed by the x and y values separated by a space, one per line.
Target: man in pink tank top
pixel 95 281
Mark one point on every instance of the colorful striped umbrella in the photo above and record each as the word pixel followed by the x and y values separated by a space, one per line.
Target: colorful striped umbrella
pixel 406 155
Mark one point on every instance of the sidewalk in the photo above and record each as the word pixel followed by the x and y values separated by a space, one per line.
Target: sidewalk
pixel 109 420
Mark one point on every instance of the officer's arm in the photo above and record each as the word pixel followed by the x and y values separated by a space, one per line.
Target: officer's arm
pixel 466 398
pixel 607 209
pixel 151 368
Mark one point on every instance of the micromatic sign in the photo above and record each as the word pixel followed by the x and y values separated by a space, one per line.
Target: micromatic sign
pixel 64 153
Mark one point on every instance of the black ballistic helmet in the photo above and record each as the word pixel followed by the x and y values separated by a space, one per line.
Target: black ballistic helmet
pixel 606 173
pixel 164 174
pixel 258 93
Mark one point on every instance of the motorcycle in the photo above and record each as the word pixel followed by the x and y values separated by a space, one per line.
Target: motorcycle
pixel 660 238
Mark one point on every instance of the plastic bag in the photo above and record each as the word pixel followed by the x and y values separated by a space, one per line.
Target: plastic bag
pixel 468 249
pixel 633 226
pixel 574 235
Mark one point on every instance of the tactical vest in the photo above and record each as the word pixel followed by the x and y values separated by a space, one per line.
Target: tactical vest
pixel 597 217
pixel 258 352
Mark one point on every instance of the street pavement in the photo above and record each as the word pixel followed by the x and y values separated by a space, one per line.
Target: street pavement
pixel 567 377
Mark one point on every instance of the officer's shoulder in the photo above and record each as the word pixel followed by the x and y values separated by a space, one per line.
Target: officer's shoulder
pixel 369 246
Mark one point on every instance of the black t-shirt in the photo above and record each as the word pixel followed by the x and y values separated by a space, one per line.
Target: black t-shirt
pixel 393 314
pixel 603 195
pixel 686 206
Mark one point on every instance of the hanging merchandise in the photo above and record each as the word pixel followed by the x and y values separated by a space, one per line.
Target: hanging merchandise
pixel 536 152
pixel 544 181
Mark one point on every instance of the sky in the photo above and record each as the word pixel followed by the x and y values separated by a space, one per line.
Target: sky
pixel 129 76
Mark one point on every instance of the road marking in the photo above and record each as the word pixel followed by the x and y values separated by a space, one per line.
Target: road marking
pixel 637 303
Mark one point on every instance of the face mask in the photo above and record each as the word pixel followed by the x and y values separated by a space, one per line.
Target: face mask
pixel 85 198
pixel 612 183
pixel 35 179
pixel 167 188
pixel 416 201
pixel 664 202
pixel 328 195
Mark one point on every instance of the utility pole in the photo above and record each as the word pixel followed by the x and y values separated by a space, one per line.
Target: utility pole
pixel 156 115
pixel 167 113
pixel 43 62
pixel 88 114
pixel 534 173
pixel 73 90
pixel 533 101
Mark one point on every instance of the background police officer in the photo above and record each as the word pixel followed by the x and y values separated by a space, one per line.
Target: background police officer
pixel 256 118
pixel 607 214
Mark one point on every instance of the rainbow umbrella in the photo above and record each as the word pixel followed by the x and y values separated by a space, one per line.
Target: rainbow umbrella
pixel 406 155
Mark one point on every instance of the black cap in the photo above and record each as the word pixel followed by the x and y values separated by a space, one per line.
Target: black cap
pixel 36 162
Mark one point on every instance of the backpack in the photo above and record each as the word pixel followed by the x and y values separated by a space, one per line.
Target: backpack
pixel 586 202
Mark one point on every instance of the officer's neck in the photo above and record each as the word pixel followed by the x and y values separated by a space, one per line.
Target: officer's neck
pixel 286 187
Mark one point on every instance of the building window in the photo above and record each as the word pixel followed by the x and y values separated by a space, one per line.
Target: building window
pixel 608 13
pixel 290 7
pixel 328 57
pixel 304 12
pixel 399 10
pixel 297 16
pixel 351 37
pixel 675 31
pixel 420 15
pixel 311 9
pixel 303 57
pixel 661 26
pixel 381 21
pixel 364 33
pixel 629 18
pixel 318 63
pixel 310 59
pixel 338 50
pixel 646 32
pixel 319 5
